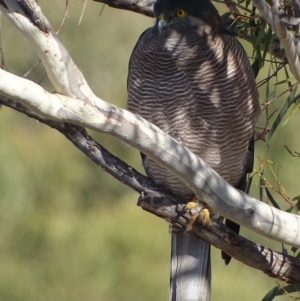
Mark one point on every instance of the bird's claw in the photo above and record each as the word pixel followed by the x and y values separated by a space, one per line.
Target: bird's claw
pixel 196 211
pixel 192 221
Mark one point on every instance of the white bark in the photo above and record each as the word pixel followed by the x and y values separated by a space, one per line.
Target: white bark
pixel 74 102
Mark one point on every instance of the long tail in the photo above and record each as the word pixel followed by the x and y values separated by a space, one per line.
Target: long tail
pixel 190 268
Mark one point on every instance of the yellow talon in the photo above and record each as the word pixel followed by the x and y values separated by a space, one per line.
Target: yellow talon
pixel 193 203
pixel 206 216
pixel 192 221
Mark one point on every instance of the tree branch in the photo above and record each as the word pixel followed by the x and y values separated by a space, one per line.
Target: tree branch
pixel 155 200
pixel 144 7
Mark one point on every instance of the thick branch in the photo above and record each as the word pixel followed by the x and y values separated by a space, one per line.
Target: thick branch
pixel 83 108
pixel 156 201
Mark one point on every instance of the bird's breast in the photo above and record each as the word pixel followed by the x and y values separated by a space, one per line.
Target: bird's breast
pixel 202 92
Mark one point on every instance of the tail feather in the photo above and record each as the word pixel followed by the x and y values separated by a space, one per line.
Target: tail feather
pixel 234 227
pixel 190 268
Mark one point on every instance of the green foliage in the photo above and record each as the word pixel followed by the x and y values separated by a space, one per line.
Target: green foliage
pixel 279 291
pixel 69 231
pixel 282 112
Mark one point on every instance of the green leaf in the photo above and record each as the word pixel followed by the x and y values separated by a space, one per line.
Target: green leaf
pixel 259 35
pixel 247 3
pixel 248 185
pixel 268 94
pixel 255 67
pixel 267 42
pixel 279 291
pixel 294 109
pixel 271 294
pixel 294 249
pixel 282 112
pixel 271 199
pixel 296 208
pixel 287 76
pixel 283 81
pixel 291 288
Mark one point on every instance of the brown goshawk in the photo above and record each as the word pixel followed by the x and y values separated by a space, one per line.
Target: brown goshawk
pixel 192 79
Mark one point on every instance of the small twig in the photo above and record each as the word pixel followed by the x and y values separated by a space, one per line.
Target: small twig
pixel 144 7
pixel 279 95
pixel 265 80
pixel 101 10
pixel 1 45
pixel 83 9
pixel 280 189
pixel 292 153
pixel 31 69
pixel 64 17
pixel 267 184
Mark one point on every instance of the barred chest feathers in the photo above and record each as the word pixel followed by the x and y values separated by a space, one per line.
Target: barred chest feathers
pixel 199 89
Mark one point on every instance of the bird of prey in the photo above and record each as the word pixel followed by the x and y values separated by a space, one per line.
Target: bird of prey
pixel 192 79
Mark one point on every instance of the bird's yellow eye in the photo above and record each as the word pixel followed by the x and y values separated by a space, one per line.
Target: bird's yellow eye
pixel 181 13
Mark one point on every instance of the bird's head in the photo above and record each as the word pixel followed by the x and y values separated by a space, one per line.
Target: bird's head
pixel 185 13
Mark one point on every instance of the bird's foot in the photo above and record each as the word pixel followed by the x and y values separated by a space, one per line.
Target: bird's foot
pixel 193 206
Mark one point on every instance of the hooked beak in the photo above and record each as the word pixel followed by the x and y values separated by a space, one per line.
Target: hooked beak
pixel 162 22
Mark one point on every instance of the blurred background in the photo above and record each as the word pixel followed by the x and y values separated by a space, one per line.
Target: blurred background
pixel 68 230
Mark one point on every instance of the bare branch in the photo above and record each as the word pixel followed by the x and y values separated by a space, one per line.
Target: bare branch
pixel 64 17
pixel 82 13
pixel 144 7
pixel 2 64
